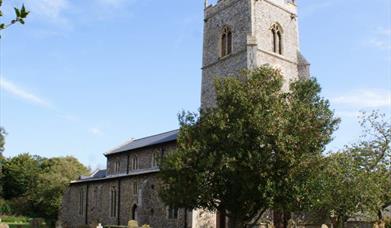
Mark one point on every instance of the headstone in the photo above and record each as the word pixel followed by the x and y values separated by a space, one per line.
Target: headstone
pixel 58 224
pixel 132 224
pixel 3 225
pixel 36 223
pixel 291 223
pixel 99 226
pixel 375 225
pixel 324 226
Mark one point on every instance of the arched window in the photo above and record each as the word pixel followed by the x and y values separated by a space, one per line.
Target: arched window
pixel 81 202
pixel 226 41
pixel 172 213
pixel 117 167
pixel 135 188
pixel 155 159
pixel 277 38
pixel 134 165
pixel 113 202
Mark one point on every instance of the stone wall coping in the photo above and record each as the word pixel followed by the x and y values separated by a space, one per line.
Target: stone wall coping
pixel 281 57
pixel 224 58
pixel 212 10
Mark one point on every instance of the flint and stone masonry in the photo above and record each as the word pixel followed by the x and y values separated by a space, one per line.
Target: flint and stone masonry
pixel 252 45
pixel 128 188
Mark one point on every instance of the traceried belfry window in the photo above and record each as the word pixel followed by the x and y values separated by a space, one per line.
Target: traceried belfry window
pixel 277 38
pixel 226 41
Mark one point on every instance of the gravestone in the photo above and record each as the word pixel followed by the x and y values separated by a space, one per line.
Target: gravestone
pixel 132 224
pixel 58 224
pixel 36 223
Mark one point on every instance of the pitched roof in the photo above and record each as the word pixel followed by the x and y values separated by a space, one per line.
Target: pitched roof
pixel 147 141
pixel 95 175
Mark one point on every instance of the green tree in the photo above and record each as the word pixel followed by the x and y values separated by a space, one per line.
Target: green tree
pixel 3 133
pixel 357 180
pixel 52 181
pixel 2 160
pixel 241 156
pixel 20 16
pixel 34 186
pixel 373 154
pixel 20 175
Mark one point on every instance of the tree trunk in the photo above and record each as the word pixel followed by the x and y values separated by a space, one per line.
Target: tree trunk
pixel 341 221
pixel 235 223
pixel 281 219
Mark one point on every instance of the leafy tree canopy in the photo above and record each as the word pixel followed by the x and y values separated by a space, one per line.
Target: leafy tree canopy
pixel 34 185
pixel 2 140
pixel 355 181
pixel 241 157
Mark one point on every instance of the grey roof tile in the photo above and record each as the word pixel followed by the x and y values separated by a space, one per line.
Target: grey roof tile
pixel 147 141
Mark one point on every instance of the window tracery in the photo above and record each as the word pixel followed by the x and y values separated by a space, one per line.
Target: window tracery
pixel 226 41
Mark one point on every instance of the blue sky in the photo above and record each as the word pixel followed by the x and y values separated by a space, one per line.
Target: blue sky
pixel 82 77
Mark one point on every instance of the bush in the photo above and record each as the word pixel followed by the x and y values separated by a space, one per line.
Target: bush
pixel 388 222
pixel 14 219
pixel 19 226
pixel 4 207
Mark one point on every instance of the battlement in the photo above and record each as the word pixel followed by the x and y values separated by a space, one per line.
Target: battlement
pixel 211 9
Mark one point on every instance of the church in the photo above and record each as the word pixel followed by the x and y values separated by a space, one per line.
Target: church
pixel 238 34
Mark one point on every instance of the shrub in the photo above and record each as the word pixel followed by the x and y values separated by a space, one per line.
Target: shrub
pixel 387 221
pixel 14 219
pixel 4 207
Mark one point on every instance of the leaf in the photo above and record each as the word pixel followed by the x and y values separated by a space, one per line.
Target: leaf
pixel 24 12
pixel 17 12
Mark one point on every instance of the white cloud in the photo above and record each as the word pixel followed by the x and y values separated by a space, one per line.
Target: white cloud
pixel 381 39
pixel 348 114
pixel 51 10
pixel 23 94
pixel 380 44
pixel 113 3
pixel 384 31
pixel 95 131
pixel 365 98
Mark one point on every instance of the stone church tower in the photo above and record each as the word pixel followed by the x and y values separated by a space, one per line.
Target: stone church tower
pixel 244 34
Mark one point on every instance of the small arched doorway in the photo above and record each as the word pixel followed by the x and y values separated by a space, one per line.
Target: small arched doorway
pixel 134 212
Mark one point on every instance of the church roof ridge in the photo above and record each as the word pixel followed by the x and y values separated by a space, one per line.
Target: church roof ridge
pixel 145 142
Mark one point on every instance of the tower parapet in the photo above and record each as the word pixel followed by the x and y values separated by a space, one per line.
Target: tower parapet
pixel 289 5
